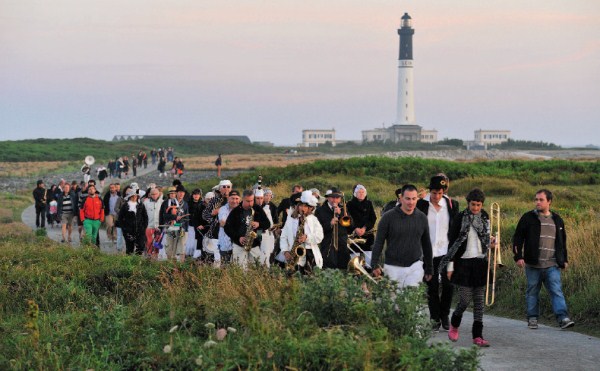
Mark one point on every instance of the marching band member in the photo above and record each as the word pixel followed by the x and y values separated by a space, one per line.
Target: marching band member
pixel 363 216
pixel 309 237
pixel 286 207
pixel 175 212
pixel 244 226
pixel 440 211
pixel 333 247
pixel 267 244
pixel 210 243
pixel 225 245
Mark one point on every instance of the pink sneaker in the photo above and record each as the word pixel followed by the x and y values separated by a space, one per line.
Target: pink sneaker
pixel 481 342
pixel 453 333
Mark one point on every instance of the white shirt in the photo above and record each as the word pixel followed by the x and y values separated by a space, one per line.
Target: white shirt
pixel 473 249
pixel 224 240
pixel 314 234
pixel 439 222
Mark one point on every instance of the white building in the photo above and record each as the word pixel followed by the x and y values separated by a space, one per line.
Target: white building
pixel 376 135
pixel 315 137
pixel 487 137
pixel 429 136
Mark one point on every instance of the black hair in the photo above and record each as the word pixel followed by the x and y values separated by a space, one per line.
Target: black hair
pixel 408 187
pixel 176 182
pixel 248 192
pixel 476 195
pixel 547 192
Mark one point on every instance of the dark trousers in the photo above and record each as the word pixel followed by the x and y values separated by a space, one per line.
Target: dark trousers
pixel 134 245
pixel 439 305
pixel 40 216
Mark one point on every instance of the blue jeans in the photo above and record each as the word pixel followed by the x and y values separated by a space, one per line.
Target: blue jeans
pixel 550 277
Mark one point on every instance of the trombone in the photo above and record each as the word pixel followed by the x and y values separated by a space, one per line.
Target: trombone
pixel 494 261
pixel 356 265
pixel 343 221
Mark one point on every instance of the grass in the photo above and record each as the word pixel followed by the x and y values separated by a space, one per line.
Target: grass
pixel 82 309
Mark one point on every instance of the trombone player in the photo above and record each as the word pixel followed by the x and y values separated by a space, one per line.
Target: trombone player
pixel 335 237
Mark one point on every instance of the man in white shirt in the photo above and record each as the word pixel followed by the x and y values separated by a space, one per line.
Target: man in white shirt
pixel 439 210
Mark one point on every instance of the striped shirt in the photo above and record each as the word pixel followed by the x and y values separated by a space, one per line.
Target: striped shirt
pixel 547 257
pixel 67 207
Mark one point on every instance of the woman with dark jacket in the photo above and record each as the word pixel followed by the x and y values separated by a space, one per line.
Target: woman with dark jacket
pixel 133 220
pixel 363 216
pixel 469 241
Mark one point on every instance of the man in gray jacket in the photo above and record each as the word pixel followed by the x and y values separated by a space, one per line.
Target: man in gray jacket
pixel 408 258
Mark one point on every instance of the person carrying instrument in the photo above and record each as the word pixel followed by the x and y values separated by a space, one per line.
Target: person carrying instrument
pixel 361 210
pixel 210 242
pixel 267 246
pixel 440 211
pixel 225 245
pixel 307 238
pixel 174 212
pixel 335 237
pixel 244 226
pixel 467 264
pixel 540 246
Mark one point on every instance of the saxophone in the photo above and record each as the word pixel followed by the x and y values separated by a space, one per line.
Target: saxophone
pixel 250 234
pixel 298 249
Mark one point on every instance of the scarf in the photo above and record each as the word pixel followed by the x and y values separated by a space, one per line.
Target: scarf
pixel 479 224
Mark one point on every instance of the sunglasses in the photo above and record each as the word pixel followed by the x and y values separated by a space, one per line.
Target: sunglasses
pixel 225 186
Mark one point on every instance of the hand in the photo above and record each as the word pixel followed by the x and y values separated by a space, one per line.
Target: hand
pixel 334 221
pixel 287 255
pixel 255 225
pixel 521 263
pixel 360 231
pixel 302 238
pixel 566 266
pixel 427 277
pixel 377 272
pixel 242 241
pixel 449 275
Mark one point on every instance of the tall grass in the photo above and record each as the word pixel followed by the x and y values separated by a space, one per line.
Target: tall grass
pixel 80 309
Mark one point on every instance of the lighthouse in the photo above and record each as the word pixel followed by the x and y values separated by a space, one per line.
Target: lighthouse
pixel 405 109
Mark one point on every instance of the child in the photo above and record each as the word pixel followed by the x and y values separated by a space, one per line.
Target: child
pixel 469 240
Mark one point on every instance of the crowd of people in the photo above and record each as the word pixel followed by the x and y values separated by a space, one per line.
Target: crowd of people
pixel 429 239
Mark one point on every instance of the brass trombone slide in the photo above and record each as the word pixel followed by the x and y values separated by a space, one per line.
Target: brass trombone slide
pixel 356 266
pixel 494 257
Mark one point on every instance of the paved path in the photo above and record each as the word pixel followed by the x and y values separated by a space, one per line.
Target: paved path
pixel 515 347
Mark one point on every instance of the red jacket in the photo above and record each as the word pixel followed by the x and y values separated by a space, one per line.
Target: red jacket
pixel 92 209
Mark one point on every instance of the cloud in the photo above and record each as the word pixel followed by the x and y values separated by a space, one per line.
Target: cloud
pixel 588 50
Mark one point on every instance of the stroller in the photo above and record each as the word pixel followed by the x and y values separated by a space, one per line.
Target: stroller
pixel 156 245
pixel 53 213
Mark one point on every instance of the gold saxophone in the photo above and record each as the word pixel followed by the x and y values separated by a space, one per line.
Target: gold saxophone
pixel 250 234
pixel 298 249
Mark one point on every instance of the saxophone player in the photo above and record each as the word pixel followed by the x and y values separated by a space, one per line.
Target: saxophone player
pixel 244 226
pixel 308 237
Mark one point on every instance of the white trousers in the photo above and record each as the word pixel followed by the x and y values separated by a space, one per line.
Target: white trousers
pixel 405 276
pixel 242 257
pixel 267 246
pixel 190 243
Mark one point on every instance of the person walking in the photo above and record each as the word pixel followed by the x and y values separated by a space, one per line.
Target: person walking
pixel 67 205
pixel 440 211
pixel 92 214
pixel 133 220
pixel 540 246
pixel 467 263
pixel 39 196
pixel 408 255
pixel 218 163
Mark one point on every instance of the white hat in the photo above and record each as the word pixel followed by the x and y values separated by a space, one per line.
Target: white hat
pixel 316 193
pixel 215 188
pixel 134 186
pixel 209 195
pixel 130 192
pixel 308 198
pixel 225 182
pixel 259 193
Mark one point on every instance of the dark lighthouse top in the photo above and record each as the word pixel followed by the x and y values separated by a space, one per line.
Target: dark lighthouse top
pixel 406 31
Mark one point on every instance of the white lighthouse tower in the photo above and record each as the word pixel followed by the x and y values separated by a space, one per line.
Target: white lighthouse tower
pixel 405 110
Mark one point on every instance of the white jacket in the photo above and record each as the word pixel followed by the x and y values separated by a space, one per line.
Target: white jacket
pixel 314 233
pixel 153 211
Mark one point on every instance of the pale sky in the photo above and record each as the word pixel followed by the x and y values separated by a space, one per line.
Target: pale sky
pixel 268 69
